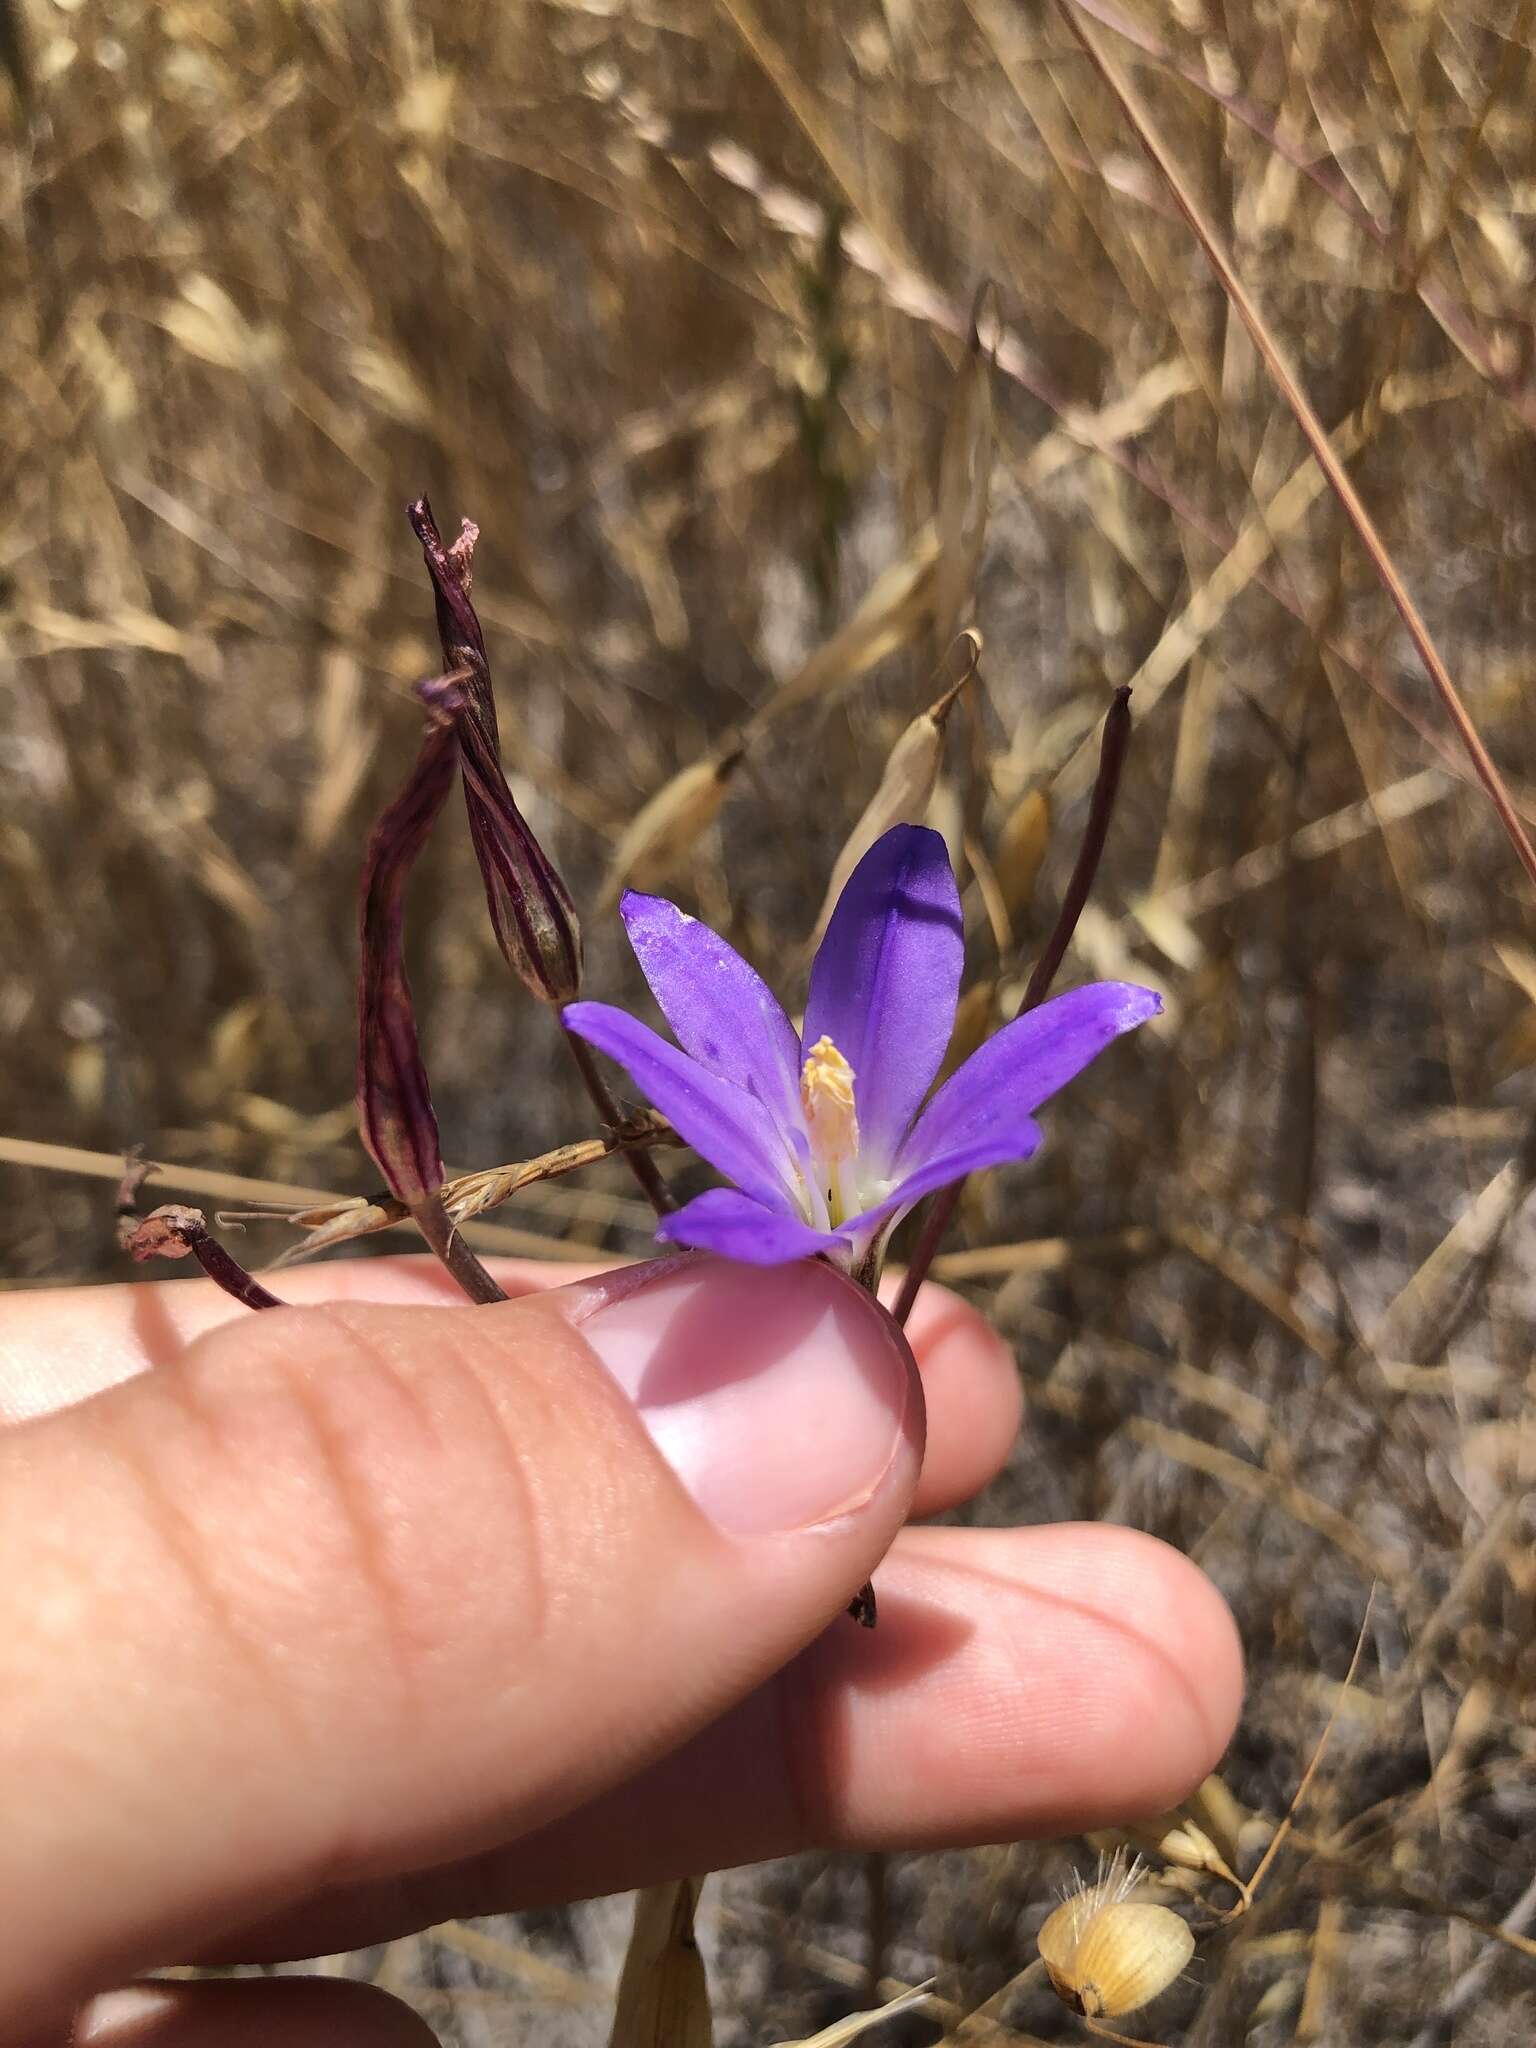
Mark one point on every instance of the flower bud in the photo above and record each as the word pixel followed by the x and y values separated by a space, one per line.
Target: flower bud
pixel 394 1101
pixel 531 911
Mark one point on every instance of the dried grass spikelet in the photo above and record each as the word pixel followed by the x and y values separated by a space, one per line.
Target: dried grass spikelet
pixel 907 782
pixel 1181 1841
pixel 1107 1952
pixel 665 830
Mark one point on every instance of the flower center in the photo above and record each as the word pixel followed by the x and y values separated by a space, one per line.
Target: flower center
pixel 826 1096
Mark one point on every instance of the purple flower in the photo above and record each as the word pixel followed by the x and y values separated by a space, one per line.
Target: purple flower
pixel 821 1133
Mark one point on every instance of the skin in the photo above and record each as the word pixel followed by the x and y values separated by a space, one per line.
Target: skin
pixel 239 1721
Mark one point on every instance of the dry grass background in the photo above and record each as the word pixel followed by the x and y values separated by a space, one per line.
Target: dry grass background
pixel 670 298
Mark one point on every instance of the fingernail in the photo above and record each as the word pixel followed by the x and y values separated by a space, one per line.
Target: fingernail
pixel 778 1395
pixel 117 2016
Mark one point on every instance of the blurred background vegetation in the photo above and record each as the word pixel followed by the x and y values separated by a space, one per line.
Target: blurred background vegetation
pixel 673 297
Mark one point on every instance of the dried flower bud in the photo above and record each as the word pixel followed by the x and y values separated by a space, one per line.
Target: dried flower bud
pixel 531 911
pixel 394 1101
pixel 1107 1953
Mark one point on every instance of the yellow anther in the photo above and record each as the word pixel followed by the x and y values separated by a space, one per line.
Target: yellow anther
pixel 826 1095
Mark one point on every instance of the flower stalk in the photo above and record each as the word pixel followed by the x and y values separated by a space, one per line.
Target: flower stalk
pixel 1112 751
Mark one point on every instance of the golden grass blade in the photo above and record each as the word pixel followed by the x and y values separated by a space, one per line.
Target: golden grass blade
pixel 1278 363
pixel 1311 160
pixel 237 1188
pixel 663 1997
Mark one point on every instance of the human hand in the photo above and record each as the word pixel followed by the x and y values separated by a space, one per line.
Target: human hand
pixel 348 1618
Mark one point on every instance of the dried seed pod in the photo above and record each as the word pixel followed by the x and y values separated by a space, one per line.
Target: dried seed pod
pixel 394 1101
pixel 531 911
pixel 665 830
pixel 1108 1953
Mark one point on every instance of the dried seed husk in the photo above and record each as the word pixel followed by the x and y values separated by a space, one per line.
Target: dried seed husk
pixel 965 478
pixel 895 609
pixel 1129 1954
pixel 1182 1842
pixel 906 784
pixel 1106 1957
pixel 946 816
pixel 1021 848
pixel 974 1016
pixel 665 830
pixel 663 1997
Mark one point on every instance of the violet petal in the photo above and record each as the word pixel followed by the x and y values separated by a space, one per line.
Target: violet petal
pixel 1015 1138
pixel 720 1008
pixel 723 1123
pixel 886 979
pixel 728 1222
pixel 1023 1065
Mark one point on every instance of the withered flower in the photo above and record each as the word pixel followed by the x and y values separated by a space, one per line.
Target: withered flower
pixel 175 1232
pixel 531 912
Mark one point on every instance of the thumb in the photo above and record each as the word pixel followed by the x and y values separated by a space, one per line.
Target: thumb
pixel 358 1589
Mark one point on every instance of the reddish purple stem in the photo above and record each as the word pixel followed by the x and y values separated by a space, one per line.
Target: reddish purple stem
pixel 1112 750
